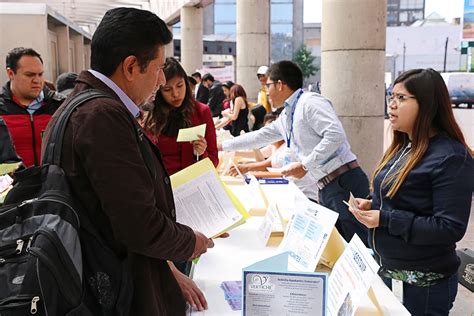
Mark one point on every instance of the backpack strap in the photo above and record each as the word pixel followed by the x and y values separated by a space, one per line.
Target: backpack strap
pixel 52 154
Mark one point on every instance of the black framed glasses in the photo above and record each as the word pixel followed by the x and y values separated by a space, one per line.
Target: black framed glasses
pixel 398 98
pixel 268 84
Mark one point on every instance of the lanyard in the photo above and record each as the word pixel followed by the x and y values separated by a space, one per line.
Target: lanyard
pixel 293 108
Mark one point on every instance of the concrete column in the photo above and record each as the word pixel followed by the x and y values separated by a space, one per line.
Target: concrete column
pixel 298 26
pixel 62 32
pixel 87 54
pixel 169 49
pixel 191 38
pixel 79 49
pixel 352 71
pixel 208 21
pixel 253 43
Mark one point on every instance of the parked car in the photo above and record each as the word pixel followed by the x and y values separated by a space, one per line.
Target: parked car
pixel 460 87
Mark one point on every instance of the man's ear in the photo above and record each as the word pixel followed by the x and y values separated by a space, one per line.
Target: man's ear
pixel 130 66
pixel 10 73
pixel 280 85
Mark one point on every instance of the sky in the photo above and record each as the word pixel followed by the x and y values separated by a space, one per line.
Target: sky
pixel 447 8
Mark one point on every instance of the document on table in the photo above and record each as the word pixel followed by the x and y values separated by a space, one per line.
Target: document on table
pixel 190 134
pixel 203 202
pixel 350 278
pixel 270 289
pixel 270 224
pixel 306 236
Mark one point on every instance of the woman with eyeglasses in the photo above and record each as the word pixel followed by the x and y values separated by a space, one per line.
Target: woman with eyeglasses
pixel 421 195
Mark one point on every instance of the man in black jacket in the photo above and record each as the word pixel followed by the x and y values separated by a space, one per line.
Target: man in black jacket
pixel 216 94
pixel 202 92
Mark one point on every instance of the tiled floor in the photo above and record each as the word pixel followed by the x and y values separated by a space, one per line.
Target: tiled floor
pixel 464 304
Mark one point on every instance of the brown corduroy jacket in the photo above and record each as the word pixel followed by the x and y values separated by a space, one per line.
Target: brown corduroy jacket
pixel 133 211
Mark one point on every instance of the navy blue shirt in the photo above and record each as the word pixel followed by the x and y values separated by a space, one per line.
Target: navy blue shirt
pixel 420 225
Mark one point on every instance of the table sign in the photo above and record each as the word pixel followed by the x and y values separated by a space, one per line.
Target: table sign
pixel 270 289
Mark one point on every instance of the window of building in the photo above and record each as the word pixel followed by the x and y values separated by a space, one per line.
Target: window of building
pixel 177 28
pixel 225 28
pixel 224 13
pixel 403 16
pixel 281 13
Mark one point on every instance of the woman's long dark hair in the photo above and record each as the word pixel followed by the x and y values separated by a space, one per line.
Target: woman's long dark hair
pixel 238 91
pixel 164 118
pixel 435 113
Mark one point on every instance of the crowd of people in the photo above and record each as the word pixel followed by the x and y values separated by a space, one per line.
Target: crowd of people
pixel 411 212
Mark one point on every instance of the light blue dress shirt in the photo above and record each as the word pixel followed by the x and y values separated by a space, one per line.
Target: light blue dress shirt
pixel 318 137
pixel 129 104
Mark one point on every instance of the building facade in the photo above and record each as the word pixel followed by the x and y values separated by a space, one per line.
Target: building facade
pixel 62 44
pixel 404 12
pixel 286 25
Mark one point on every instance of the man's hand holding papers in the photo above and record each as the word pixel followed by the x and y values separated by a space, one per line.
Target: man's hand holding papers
pixel 201 245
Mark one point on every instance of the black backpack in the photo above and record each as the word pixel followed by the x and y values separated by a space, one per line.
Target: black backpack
pixel 52 259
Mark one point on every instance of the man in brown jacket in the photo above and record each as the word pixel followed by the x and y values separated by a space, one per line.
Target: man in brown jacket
pixel 132 209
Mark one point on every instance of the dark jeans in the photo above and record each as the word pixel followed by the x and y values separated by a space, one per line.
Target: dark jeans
pixel 436 299
pixel 332 195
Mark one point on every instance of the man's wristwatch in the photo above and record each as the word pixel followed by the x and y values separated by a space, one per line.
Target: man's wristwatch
pixel 304 167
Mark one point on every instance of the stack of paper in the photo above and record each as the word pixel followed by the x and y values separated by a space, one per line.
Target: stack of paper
pixel 233 294
pixel 203 202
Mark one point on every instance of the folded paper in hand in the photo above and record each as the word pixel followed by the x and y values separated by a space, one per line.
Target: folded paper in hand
pixel 191 134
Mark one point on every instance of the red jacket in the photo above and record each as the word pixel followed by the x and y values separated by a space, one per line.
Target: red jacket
pixel 26 129
pixel 177 156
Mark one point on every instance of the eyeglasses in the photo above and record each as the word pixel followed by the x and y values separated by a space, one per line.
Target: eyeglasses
pixel 260 76
pixel 398 98
pixel 269 84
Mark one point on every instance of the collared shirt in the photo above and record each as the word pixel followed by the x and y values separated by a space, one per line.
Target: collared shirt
pixel 196 88
pixel 318 137
pixel 129 104
pixel 290 105
pixel 34 105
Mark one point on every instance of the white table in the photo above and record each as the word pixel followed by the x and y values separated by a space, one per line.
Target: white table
pixel 229 256
pixel 225 262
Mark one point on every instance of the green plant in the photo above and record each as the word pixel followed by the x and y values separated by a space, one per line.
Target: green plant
pixel 305 60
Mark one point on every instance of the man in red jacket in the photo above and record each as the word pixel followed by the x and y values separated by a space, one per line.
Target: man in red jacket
pixel 26 104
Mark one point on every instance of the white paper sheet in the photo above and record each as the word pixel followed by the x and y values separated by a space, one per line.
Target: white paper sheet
pixel 350 278
pixel 203 205
pixel 190 134
pixel 307 235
